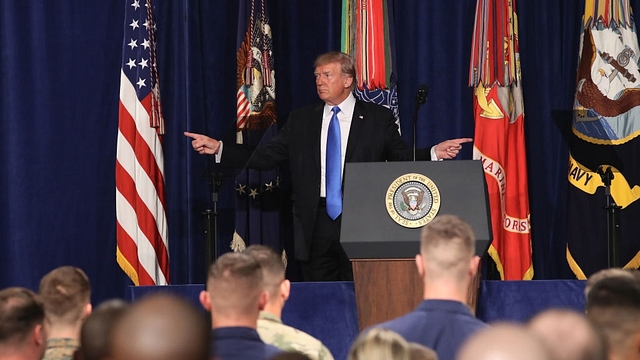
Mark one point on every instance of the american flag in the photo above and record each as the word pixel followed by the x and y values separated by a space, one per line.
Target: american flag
pixel 142 240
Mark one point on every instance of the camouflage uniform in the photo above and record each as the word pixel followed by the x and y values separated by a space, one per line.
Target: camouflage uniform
pixel 274 332
pixel 61 349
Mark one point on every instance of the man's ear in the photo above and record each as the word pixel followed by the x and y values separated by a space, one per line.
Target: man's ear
pixel 264 298
pixel 348 81
pixel 285 289
pixel 420 265
pixel 473 265
pixel 39 335
pixel 205 300
pixel 87 311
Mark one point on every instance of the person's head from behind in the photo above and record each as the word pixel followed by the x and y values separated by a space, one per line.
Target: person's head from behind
pixel 421 352
pixel 569 335
pixel 504 341
pixel 66 294
pixel 335 76
pixel 273 273
pixel 22 332
pixel 96 330
pixel 160 327
pixel 235 291
pixel 605 274
pixel 379 344
pixel 613 305
pixel 447 251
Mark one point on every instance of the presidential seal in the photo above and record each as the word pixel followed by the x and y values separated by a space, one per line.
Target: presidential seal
pixel 412 200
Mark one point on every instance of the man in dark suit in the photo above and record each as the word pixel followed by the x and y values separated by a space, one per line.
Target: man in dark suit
pixel 367 133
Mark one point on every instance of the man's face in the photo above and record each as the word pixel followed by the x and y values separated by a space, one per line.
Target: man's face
pixel 332 86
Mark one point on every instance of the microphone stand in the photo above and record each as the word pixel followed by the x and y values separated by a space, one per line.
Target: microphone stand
pixel 211 222
pixel 613 223
pixel 421 98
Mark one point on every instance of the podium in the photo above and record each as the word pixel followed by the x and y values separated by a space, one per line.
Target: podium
pixel 381 224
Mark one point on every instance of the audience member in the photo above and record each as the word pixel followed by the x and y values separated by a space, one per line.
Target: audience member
pixel 270 327
pixel 569 335
pixel 160 327
pixel 66 294
pixel 379 344
pixel 96 331
pixel 235 296
pixel 606 274
pixel 613 305
pixel 421 352
pixel 22 332
pixel 504 341
pixel 447 265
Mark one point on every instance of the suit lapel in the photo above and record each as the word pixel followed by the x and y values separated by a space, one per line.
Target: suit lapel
pixel 355 133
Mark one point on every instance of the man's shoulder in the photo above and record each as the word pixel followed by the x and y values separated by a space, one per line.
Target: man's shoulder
pixel 310 108
pixel 60 348
pixel 289 338
pixel 372 107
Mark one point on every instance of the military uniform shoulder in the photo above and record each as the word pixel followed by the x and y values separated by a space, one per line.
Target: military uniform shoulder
pixel 288 338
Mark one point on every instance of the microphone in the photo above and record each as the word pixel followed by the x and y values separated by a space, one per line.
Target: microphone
pixel 421 96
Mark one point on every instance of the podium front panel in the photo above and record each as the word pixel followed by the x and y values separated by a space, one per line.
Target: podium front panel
pixel 369 232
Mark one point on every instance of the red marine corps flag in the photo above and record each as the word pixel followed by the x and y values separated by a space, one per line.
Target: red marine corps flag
pixel 499 134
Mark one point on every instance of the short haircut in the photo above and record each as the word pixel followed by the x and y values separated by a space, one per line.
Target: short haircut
pixel 605 274
pixel 160 326
pixel 446 242
pixel 271 264
pixel 569 335
pixel 379 344
pixel 20 311
pixel 613 305
pixel 96 330
pixel 421 352
pixel 347 64
pixel 235 283
pixel 65 292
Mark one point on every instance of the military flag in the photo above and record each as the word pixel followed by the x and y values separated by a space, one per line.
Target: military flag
pixel 605 127
pixel 499 134
pixel 257 211
pixel 367 35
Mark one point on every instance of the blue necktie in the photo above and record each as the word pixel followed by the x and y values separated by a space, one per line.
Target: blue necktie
pixel 333 170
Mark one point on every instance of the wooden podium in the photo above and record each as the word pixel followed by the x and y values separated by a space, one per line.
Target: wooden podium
pixel 399 297
pixel 382 251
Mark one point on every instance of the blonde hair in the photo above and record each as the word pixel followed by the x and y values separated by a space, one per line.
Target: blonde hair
pixel 347 64
pixel 379 344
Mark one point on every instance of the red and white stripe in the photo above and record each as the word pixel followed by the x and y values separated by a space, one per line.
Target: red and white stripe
pixel 140 201
pixel 243 109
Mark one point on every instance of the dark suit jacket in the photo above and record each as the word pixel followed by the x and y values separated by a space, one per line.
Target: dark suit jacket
pixel 373 136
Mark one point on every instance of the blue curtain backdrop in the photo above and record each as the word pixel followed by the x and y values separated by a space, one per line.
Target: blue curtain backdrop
pixel 59 81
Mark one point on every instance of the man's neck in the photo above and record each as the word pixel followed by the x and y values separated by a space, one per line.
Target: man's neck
pixel 223 322
pixel 14 354
pixel 274 309
pixel 64 331
pixel 445 291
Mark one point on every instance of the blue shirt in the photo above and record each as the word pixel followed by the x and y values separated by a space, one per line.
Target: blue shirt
pixel 442 325
pixel 240 343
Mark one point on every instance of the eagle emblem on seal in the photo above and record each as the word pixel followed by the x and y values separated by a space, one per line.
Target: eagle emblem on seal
pixel 412 197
